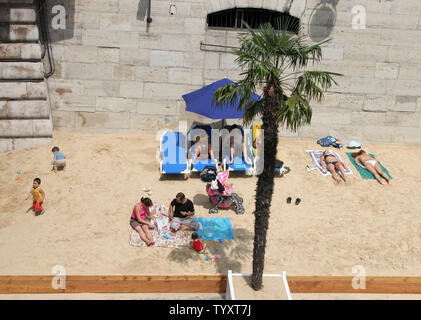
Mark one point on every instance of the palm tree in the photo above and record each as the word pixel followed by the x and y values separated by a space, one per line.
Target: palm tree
pixel 274 61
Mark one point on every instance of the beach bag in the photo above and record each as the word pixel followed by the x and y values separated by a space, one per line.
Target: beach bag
pixel 330 141
pixel 354 145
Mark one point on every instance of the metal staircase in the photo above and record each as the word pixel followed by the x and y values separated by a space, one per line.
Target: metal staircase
pixel 25 114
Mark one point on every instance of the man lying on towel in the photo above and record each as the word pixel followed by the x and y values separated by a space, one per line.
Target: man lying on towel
pixel 333 164
pixel 181 214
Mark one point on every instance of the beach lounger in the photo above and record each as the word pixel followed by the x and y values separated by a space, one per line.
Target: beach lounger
pixel 199 165
pixel 255 132
pixel 239 163
pixel 173 154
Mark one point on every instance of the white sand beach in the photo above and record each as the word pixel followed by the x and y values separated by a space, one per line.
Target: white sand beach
pixel 86 224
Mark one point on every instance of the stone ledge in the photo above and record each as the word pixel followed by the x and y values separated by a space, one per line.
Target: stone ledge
pixel 18 32
pixel 21 143
pixel 27 109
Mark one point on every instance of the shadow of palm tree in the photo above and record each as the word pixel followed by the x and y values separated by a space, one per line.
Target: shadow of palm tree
pixel 183 256
pixel 232 252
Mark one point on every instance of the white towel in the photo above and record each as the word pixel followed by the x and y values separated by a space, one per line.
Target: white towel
pixel 316 155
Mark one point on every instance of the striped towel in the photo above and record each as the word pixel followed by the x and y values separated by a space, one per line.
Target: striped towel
pixel 316 156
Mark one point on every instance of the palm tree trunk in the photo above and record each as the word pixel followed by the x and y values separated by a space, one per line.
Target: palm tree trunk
pixel 265 184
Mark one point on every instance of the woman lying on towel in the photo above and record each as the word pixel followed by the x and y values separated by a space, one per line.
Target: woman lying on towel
pixel 371 165
pixel 333 164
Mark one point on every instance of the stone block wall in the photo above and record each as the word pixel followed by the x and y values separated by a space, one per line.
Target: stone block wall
pixel 117 73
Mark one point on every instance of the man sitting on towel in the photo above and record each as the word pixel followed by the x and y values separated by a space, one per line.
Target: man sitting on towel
pixel 181 214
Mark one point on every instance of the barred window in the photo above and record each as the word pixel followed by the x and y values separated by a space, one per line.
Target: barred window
pixel 232 19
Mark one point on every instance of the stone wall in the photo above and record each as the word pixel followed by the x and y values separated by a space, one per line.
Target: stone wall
pixel 115 73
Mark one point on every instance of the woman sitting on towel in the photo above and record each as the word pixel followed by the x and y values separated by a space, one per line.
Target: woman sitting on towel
pixel 372 165
pixel 333 164
pixel 140 220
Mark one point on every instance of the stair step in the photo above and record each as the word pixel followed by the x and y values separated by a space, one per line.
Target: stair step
pixel 27 109
pixel 21 70
pixel 19 33
pixel 23 90
pixel 20 143
pixel 15 15
pixel 26 128
pixel 16 2
pixel 20 51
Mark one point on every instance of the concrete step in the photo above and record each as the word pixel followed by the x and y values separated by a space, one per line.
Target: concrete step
pixel 23 90
pixel 17 2
pixel 20 143
pixel 21 70
pixel 19 33
pixel 26 128
pixel 20 51
pixel 26 109
pixel 16 15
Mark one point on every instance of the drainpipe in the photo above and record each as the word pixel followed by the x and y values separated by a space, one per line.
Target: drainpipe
pixel 148 19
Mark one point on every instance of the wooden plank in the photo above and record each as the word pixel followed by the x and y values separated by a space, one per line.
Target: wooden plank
pixel 200 284
pixel 337 284
pixel 116 284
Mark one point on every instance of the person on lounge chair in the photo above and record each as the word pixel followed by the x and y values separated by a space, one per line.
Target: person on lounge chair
pixel 333 164
pixel 200 151
pixel 363 160
pixel 235 136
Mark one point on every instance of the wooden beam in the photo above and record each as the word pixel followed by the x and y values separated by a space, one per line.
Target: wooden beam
pixel 335 284
pixel 115 284
pixel 200 284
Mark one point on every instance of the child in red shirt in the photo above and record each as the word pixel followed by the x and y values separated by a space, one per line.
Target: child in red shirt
pixel 197 244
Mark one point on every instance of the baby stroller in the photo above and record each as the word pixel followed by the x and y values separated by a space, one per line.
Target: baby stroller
pixel 220 191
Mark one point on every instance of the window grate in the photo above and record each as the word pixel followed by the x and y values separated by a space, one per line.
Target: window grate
pixel 232 19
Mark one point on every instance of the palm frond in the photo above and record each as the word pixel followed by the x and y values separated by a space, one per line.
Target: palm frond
pixel 312 84
pixel 294 112
pixel 269 57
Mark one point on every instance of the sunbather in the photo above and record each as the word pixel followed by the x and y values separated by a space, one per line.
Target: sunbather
pixel 200 151
pixel 363 160
pixel 236 132
pixel 333 164
pixel 278 162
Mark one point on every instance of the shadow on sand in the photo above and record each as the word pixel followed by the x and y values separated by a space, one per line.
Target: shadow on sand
pixel 232 252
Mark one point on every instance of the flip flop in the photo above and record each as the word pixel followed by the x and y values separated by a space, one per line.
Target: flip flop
pixel 297 201
pixel 289 199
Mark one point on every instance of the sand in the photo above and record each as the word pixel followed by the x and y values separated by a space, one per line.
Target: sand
pixel 273 288
pixel 86 224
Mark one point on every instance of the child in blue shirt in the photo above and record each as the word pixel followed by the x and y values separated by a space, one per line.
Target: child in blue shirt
pixel 59 160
